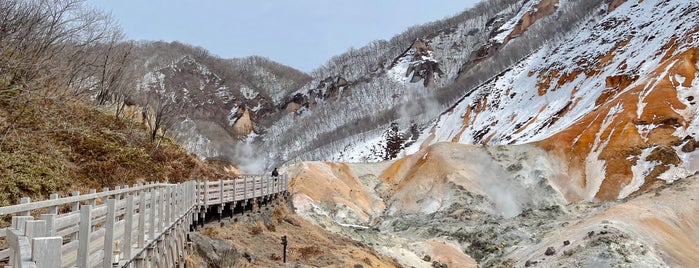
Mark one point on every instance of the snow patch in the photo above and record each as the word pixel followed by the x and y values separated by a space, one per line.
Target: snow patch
pixel 595 168
pixel 233 115
pixel 248 93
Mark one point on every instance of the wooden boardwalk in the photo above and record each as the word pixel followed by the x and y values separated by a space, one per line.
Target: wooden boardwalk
pixel 138 226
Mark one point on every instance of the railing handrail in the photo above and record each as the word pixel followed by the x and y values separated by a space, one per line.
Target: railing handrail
pixel 72 199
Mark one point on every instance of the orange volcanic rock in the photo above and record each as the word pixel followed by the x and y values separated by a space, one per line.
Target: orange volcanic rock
pixel 449 254
pixel 336 185
pixel 643 116
pixel 540 10
pixel 615 4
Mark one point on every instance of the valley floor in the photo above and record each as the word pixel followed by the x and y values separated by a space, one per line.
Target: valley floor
pixel 468 206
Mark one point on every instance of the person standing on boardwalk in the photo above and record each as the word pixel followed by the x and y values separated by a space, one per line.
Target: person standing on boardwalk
pixel 275 174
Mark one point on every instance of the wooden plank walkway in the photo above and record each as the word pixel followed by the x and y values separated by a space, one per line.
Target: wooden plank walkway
pixel 138 226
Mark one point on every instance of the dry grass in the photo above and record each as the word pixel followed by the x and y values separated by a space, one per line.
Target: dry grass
pixel 257 228
pixel 212 232
pixel 279 213
pixel 309 252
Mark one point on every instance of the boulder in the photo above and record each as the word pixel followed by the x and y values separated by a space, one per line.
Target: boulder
pixel 216 252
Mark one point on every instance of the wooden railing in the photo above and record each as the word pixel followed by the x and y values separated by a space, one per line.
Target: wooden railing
pixel 127 226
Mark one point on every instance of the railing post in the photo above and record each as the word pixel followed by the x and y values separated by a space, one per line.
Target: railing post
pixel 206 194
pixel 195 213
pixel 24 200
pixel 46 252
pixel 141 219
pixel 245 187
pixel 91 202
pixel 109 234
pixel 196 193
pixel 153 206
pixel 117 197
pixel 128 226
pixel 221 189
pixel 18 223
pixel 84 236
pixel 262 188
pixel 50 220
pixel 35 229
pixel 220 207
pixel 173 202
pixel 53 209
pixel 235 188
pixel 163 203
pixel 166 205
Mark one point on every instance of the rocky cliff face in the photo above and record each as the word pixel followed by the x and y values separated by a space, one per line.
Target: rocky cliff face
pixel 205 99
pixel 417 64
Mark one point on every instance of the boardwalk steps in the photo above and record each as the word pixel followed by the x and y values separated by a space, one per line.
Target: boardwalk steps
pixel 138 226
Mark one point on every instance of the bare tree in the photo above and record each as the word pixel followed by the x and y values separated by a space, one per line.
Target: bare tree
pixel 163 109
pixel 50 49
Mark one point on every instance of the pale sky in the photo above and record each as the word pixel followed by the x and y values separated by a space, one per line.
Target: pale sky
pixel 303 34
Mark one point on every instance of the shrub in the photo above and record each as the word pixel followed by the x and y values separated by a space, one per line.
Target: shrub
pixel 309 252
pixel 257 228
pixel 210 232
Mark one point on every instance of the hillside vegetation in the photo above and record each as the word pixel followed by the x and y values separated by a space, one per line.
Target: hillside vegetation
pixel 63 146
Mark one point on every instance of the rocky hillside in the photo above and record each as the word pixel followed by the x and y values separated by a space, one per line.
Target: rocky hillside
pixel 211 103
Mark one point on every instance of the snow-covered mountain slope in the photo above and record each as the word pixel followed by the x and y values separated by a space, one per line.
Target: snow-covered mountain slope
pixel 615 96
pixel 408 77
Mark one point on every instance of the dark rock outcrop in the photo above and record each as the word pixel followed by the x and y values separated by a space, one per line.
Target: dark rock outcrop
pixel 216 253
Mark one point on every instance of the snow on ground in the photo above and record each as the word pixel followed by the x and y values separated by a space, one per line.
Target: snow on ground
pixel 248 93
